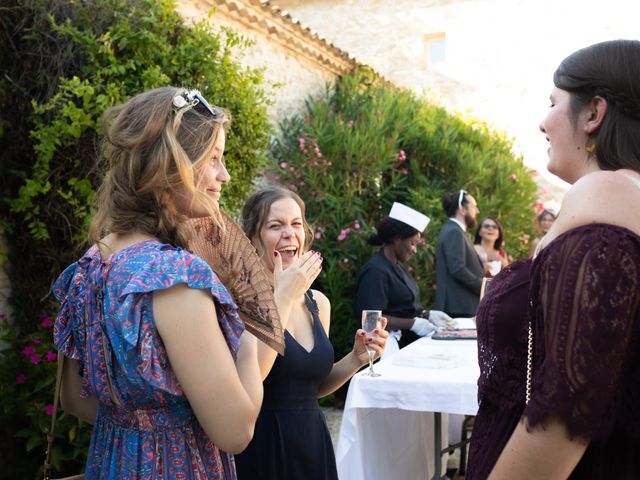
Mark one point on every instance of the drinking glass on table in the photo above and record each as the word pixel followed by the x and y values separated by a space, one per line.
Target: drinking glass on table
pixel 371 321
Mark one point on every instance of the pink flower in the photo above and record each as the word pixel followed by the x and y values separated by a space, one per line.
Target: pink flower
pixel 35 358
pixel 284 165
pixel 317 235
pixel 356 225
pixel 21 379
pixel 343 234
pixel 513 177
pixel 292 187
pixel 36 342
pixel 48 409
pixel 28 351
pixel 404 171
pixel 51 357
pixel 401 156
pixel 46 323
pixel 410 269
pixel 350 124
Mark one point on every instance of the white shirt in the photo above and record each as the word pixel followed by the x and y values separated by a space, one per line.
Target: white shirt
pixel 462 225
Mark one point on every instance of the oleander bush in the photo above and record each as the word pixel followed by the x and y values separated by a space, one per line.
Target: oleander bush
pixel 363 145
pixel 64 62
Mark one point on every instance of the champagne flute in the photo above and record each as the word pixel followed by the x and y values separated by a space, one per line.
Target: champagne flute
pixel 371 321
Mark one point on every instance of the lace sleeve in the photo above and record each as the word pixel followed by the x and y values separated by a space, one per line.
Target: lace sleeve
pixel 585 298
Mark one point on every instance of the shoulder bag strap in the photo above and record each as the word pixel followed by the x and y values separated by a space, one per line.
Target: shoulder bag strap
pixel 54 415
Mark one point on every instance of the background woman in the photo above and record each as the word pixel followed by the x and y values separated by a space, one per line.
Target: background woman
pixel 582 295
pixel 488 242
pixel 156 357
pixel 291 439
pixel 545 220
pixel 384 283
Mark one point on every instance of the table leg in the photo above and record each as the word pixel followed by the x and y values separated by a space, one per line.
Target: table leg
pixel 437 432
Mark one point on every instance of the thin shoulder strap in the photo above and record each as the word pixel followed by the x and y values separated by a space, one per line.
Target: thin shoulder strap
pixel 633 179
pixel 54 415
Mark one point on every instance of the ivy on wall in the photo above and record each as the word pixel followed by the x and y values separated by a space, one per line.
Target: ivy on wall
pixel 63 63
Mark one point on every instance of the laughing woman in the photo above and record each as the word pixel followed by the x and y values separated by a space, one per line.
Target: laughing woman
pixel 291 439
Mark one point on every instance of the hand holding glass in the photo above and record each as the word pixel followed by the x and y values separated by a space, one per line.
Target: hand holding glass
pixel 371 321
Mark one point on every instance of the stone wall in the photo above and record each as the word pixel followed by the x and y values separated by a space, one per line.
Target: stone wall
pixel 296 72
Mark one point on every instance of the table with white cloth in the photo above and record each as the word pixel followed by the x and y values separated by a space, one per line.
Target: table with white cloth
pixel 390 423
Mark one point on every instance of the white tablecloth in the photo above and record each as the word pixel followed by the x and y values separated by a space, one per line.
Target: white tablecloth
pixel 387 430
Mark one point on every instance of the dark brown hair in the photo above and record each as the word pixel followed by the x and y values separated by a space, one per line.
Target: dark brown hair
pixel 389 229
pixel 610 70
pixel 152 151
pixel 256 210
pixel 477 240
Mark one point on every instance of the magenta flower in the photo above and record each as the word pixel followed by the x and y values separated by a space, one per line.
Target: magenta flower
pixel 48 409
pixel 35 358
pixel 36 342
pixel 318 235
pixel 284 165
pixel 3 315
pixel 401 156
pixel 28 351
pixel 51 357
pixel 21 379
pixel 356 225
pixel 47 323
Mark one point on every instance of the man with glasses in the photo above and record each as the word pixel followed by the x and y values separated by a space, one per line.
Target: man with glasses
pixel 459 269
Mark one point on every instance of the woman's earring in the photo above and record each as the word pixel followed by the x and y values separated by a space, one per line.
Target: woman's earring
pixel 590 148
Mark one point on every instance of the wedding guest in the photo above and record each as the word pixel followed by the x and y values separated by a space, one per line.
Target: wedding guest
pixel 156 357
pixel 545 220
pixel 488 242
pixel 291 438
pixel 558 336
pixel 383 283
pixel 459 270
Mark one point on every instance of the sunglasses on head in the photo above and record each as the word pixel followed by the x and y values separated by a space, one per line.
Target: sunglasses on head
pixel 461 197
pixel 190 99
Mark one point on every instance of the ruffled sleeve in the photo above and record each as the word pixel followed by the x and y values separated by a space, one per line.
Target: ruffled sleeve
pixel 106 315
pixel 70 292
pixel 585 294
pixel 129 321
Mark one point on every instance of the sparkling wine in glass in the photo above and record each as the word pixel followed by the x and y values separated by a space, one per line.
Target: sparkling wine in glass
pixel 371 321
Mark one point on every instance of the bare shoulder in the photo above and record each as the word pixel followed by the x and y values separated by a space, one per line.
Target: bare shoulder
pixel 324 307
pixel 599 197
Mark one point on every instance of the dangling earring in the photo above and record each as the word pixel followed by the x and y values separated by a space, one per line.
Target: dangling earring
pixel 590 148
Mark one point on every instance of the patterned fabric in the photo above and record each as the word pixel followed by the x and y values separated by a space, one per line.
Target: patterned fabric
pixel 582 294
pixel 145 428
pixel 502 355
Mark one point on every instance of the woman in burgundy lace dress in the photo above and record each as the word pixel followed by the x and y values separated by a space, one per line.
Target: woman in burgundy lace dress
pixel 580 294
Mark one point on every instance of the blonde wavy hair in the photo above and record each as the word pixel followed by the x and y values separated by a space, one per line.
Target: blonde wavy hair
pixel 152 149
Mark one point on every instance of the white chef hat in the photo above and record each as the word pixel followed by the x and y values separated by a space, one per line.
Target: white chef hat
pixel 409 216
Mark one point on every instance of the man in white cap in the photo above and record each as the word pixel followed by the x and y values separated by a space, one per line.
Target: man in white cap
pixel 383 283
pixel 458 265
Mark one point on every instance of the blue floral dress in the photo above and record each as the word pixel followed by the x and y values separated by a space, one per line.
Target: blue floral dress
pixel 145 428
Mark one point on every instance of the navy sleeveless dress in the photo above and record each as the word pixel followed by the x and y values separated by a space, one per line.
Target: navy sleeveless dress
pixel 291 440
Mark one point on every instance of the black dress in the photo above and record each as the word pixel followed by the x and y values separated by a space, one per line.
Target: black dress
pixel 291 439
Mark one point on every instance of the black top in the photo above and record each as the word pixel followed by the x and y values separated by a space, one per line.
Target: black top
pixel 383 285
pixel 291 439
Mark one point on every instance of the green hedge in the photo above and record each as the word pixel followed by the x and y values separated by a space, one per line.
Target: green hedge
pixel 63 64
pixel 360 147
